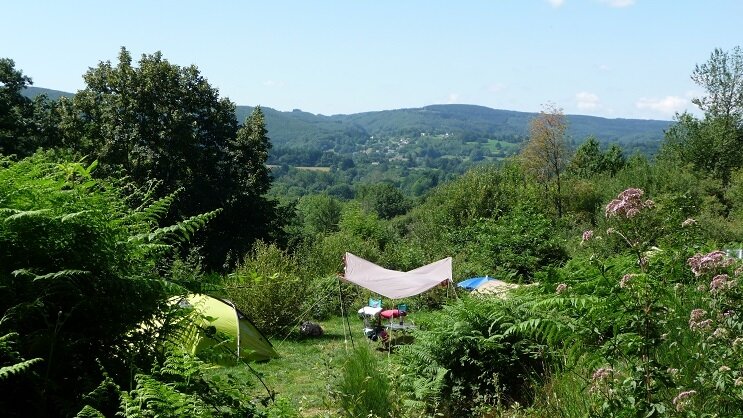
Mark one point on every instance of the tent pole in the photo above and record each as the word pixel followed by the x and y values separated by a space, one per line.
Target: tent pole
pixel 344 317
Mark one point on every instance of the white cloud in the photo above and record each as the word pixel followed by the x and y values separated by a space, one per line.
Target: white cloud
pixel 556 3
pixel 619 3
pixel 587 101
pixel 453 98
pixel 666 106
pixel 604 67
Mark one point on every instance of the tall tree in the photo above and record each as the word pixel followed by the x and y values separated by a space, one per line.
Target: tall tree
pixel 159 121
pixel 383 199
pixel 614 159
pixel 714 143
pixel 588 159
pixel 23 122
pixel 722 79
pixel 546 154
pixel 247 215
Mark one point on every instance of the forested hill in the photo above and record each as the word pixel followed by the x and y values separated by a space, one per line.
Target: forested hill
pixel 467 122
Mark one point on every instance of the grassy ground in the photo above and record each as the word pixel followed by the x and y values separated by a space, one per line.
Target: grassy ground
pixel 306 371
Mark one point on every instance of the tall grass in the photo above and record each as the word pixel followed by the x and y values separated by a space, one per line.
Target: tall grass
pixel 363 388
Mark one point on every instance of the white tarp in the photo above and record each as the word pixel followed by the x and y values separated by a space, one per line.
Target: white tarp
pixel 396 284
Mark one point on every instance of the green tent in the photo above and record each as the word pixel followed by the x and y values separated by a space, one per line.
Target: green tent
pixel 218 325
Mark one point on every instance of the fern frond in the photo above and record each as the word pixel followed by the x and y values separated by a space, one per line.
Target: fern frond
pixel 182 231
pixel 8 337
pixel 8 211
pixel 18 368
pixel 89 412
pixel 22 272
pixel 69 216
pixel 154 211
pixel 26 214
pixel 62 274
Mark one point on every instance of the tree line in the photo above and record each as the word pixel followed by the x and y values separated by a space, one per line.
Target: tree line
pixel 162 127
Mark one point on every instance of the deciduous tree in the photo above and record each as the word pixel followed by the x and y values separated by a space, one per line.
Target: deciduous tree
pixel 713 144
pixel 546 154
pixel 25 124
pixel 159 121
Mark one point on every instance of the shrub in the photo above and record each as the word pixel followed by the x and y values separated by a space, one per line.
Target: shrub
pixel 516 245
pixel 468 357
pixel 268 289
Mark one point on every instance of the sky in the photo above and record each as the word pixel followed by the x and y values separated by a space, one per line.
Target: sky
pixel 609 58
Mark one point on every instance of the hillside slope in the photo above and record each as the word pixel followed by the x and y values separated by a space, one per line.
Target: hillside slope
pixel 298 129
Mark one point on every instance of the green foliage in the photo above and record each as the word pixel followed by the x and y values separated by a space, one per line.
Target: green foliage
pixel 467 354
pixel 12 364
pixel 516 245
pixel 185 386
pixel 318 214
pixel 384 200
pixel 25 124
pixel 268 289
pixel 79 277
pixel 325 295
pixel 162 121
pixel 364 225
pixel 363 388
pixel 589 160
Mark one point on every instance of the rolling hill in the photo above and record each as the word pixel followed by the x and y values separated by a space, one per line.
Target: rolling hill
pixel 298 129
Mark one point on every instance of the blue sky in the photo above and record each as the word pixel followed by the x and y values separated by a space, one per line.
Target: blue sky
pixel 611 58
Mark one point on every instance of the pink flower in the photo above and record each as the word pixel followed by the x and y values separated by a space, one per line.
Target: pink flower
pixel 696 322
pixel 626 279
pixel 601 374
pixel 627 204
pixel 701 263
pixel 587 235
pixel 720 282
pixel 697 314
pixel 682 399
pixel 561 288
pixel 701 326
pixel 720 333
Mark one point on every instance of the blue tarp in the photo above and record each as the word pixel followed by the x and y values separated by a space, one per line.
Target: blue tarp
pixel 474 282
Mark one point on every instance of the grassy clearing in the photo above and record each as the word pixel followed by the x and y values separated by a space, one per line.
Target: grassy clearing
pixel 309 367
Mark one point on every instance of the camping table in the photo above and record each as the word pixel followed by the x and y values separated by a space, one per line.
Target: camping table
pixel 398 327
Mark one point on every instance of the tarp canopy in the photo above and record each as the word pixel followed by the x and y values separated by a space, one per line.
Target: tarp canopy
pixel 395 284
pixel 474 282
pixel 219 325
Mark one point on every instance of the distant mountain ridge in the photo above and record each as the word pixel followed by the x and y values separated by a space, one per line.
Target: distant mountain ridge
pixel 468 122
